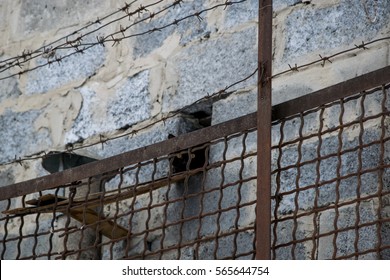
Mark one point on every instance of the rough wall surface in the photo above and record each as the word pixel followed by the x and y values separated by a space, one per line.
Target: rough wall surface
pixel 109 89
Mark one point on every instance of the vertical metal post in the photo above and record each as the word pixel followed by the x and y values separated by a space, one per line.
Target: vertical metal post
pixel 263 207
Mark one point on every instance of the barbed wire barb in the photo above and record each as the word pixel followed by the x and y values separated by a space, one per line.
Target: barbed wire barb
pixel 71 147
pixel 322 59
pixel 79 47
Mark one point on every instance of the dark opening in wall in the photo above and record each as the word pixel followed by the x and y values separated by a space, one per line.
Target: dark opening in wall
pixel 202 112
pixel 195 157
pixel 203 117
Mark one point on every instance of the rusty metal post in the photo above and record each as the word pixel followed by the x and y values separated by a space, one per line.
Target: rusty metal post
pixel 264 110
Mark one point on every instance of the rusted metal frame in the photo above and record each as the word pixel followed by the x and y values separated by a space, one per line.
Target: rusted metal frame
pixel 278 117
pixel 264 110
pixel 126 192
pixel 195 138
pixel 332 93
pixel 132 212
pixel 103 166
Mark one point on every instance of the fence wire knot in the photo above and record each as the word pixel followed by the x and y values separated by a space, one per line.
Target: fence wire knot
pixel 324 60
pixel 361 46
pixel 294 68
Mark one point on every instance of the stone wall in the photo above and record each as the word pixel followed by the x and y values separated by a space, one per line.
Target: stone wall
pixel 110 90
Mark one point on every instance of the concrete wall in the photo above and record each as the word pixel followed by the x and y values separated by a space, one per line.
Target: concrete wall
pixel 109 90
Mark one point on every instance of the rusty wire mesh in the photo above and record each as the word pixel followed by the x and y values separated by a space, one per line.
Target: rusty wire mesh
pixel 193 204
pixel 331 180
pixel 194 196
pixel 331 196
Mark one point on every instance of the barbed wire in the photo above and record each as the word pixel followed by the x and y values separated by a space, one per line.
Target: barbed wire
pixel 218 95
pixel 49 52
pixel 215 96
pixel 28 55
pixel 327 59
pixel 13 61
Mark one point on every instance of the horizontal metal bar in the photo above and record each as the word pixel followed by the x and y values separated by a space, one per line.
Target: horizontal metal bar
pixel 332 93
pixel 198 137
pixel 103 166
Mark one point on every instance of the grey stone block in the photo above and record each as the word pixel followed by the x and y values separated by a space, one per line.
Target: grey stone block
pixel 189 29
pixel 9 88
pixel 305 33
pixel 385 233
pixel 241 13
pixel 3 16
pixel 39 16
pixel 284 92
pixel 211 66
pixel 130 105
pixel 237 105
pixel 282 4
pixel 85 124
pixel 73 68
pixel 19 136
pixel 187 253
pixel 7 177
pixel 206 250
pixel 132 102
pixel 176 126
